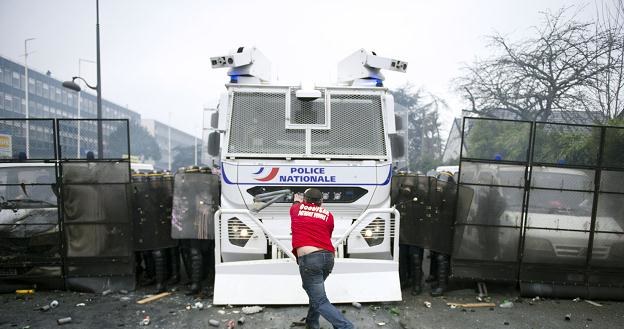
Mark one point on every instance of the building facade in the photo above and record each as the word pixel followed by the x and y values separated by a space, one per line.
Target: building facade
pixel 169 140
pixel 47 98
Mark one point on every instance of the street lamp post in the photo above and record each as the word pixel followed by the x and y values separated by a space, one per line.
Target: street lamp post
pixel 169 142
pixel 80 60
pixel 98 87
pixel 26 96
pixel 99 81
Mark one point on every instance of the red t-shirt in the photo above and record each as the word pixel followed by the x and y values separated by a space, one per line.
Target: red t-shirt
pixel 311 225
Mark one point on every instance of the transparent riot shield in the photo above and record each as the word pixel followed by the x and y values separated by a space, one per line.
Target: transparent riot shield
pixel 152 197
pixel 427 208
pixel 196 197
pixel 97 225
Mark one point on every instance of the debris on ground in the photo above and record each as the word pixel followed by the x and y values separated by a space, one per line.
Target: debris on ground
pixel 394 311
pixel 123 291
pixel 252 309
pixel 593 303
pixel 124 298
pixel 81 304
pixel 106 292
pixel 568 317
pixel 506 304
pixel 231 324
pixel 145 321
pixel 221 312
pixel 482 288
pixel 45 308
pixel 153 298
pixel 357 305
pixel 54 304
pixel 300 323
pixel 470 305
pixel 25 291
pixel 485 299
pixel 506 323
pixel 381 323
pixel 577 299
pixel 427 304
pixel 214 322
pixel 63 321
pixel 241 320
pixel 198 305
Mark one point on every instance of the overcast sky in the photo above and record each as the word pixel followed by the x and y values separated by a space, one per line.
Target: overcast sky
pixel 155 53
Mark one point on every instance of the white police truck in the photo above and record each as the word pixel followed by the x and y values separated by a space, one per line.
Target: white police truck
pixel 275 140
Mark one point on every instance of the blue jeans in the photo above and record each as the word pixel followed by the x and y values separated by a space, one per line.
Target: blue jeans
pixel 314 269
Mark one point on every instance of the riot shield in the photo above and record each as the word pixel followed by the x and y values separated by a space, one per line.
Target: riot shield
pixel 427 208
pixel 97 225
pixel 196 197
pixel 151 211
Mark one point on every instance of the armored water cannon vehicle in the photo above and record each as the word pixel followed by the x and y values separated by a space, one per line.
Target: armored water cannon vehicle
pixel 282 138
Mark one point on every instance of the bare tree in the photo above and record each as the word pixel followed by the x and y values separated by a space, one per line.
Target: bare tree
pixel 605 94
pixel 531 78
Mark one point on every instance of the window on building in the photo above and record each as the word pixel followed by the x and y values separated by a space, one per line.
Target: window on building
pixel 64 95
pixel 31 85
pixel 16 80
pixel 8 100
pixel 7 76
pixel 22 82
pixel 57 92
pixel 46 90
pixel 39 90
pixel 16 104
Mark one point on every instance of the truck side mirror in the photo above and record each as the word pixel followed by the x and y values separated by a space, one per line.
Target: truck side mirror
pixel 214 120
pixel 398 122
pixel 398 146
pixel 214 141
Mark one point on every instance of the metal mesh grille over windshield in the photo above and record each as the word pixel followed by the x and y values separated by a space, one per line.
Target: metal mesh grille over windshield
pixel 356 127
pixel 307 112
pixel 258 125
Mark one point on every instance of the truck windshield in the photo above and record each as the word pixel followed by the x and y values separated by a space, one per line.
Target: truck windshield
pixel 259 125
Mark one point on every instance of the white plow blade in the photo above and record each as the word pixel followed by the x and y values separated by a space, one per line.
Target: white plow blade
pixel 278 282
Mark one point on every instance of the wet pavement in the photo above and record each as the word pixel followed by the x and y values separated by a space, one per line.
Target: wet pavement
pixel 120 310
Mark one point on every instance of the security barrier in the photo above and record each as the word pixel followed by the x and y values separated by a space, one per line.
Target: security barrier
pixel 546 208
pixel 64 216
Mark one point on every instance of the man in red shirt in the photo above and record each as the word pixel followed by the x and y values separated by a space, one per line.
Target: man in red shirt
pixel 312 227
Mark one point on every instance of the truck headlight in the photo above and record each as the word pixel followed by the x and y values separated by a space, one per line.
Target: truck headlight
pixel 374 232
pixel 238 232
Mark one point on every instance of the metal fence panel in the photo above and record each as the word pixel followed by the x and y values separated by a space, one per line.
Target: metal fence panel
pixel 31 139
pixel 78 138
pixel 98 227
pixel 553 220
pixel 499 140
pixel 30 240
